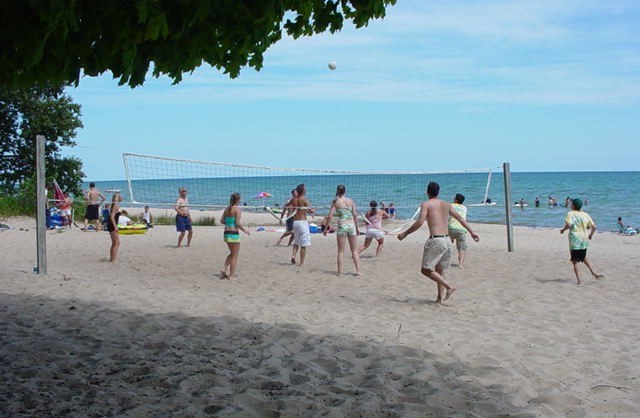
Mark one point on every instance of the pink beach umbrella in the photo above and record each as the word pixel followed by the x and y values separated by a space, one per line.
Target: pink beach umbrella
pixel 262 195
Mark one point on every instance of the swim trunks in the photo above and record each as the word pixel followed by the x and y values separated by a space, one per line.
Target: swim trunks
pixel 301 234
pixel 93 212
pixel 578 256
pixel 436 253
pixel 290 224
pixel 460 237
pixel 183 223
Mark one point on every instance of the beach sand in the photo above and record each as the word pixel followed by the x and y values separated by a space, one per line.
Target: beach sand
pixel 159 334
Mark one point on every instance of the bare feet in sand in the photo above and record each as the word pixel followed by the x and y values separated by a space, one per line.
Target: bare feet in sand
pixel 450 292
pixel 293 260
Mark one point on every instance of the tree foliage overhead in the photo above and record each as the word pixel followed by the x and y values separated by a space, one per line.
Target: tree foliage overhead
pixel 39 110
pixel 58 40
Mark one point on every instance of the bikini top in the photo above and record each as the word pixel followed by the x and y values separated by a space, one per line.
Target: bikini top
pixel 230 222
pixel 344 214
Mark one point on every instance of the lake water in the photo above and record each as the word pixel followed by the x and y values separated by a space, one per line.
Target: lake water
pixel 609 194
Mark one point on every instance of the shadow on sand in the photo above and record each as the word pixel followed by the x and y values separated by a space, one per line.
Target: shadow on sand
pixel 66 358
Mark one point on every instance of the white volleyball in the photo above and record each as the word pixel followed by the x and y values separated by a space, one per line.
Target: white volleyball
pixel 332 65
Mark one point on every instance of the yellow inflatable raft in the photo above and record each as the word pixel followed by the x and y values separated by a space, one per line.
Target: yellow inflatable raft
pixel 132 229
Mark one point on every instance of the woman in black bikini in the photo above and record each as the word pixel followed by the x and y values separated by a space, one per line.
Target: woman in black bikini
pixel 112 226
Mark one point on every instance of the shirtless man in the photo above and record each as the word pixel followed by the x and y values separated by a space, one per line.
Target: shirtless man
pixel 438 248
pixel 288 210
pixel 183 217
pixel 301 233
pixel 94 199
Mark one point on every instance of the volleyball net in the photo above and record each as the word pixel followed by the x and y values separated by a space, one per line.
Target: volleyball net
pixel 155 180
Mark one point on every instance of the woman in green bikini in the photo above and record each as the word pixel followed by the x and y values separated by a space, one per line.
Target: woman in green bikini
pixel 232 228
pixel 345 211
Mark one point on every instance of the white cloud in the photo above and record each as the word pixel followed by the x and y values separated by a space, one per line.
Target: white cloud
pixel 536 52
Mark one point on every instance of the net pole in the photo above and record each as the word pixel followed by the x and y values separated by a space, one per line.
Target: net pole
pixel 507 204
pixel 126 172
pixel 41 225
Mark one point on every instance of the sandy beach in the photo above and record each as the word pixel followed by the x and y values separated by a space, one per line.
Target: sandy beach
pixel 159 334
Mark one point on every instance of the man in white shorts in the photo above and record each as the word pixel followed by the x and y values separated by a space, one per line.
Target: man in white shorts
pixel 301 233
pixel 437 249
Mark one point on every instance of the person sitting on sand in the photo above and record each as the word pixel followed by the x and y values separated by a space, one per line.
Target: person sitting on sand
pixel 146 217
pixel 437 249
pixel 105 216
pixel 124 219
pixel 621 227
pixel 581 229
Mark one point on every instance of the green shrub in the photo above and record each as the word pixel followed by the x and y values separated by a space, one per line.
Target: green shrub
pixel 164 220
pixel 9 207
pixel 171 220
pixel 206 221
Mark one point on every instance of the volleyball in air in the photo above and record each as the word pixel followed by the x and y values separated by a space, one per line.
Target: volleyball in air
pixel 332 65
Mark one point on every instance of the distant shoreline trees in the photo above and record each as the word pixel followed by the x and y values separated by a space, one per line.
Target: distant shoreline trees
pixel 25 113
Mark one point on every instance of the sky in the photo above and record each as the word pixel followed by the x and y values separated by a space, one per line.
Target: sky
pixel 435 85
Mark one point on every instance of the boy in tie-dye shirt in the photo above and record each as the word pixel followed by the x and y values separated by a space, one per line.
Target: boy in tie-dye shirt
pixel 581 229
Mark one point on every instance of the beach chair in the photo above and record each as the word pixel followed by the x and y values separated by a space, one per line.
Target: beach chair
pixel 105 219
